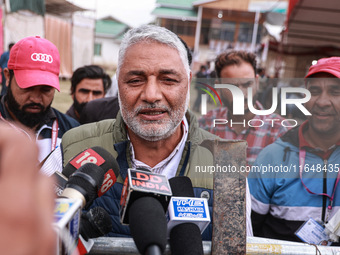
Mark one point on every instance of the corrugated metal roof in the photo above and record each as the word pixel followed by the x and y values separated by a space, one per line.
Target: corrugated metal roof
pixel 110 27
pixel 61 6
pixel 41 7
pixel 176 3
pixel 163 12
pixel 36 6
pixel 312 23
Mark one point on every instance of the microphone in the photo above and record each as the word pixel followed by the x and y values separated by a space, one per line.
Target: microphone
pixel 181 186
pixel 99 156
pixel 144 200
pixel 95 223
pixel 188 218
pixel 140 183
pixel 59 183
pixel 84 184
pixel 66 223
pixel 148 225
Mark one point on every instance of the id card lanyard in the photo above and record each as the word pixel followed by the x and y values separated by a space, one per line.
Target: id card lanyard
pixel 54 135
pixel 302 158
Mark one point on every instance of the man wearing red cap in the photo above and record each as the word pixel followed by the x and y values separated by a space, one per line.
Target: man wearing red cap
pixel 298 193
pixel 32 77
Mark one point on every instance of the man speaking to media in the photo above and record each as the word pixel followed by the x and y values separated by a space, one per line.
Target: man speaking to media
pixel 154 128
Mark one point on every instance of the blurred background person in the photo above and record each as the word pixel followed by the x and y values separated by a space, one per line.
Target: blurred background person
pixel 87 83
pixel 201 75
pixel 109 107
pixel 239 69
pixel 3 64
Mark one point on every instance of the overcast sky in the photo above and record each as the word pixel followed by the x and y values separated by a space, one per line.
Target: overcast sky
pixel 132 12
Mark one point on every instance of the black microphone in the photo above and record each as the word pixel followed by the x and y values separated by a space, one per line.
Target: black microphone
pixel 95 223
pixel 144 201
pixel 140 183
pixel 84 184
pixel 99 156
pixel 148 226
pixel 189 216
pixel 181 186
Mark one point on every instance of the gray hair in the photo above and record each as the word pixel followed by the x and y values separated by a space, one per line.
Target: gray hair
pixel 152 33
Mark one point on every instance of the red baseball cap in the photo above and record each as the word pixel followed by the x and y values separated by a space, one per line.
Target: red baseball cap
pixel 326 65
pixel 35 61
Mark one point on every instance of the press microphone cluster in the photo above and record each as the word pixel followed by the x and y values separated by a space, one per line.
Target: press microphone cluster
pixel 146 197
pixel 87 176
pixel 80 191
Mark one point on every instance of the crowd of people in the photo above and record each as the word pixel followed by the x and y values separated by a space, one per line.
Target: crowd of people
pixel 150 125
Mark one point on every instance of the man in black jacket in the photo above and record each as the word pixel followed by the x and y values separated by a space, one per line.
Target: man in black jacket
pixel 32 77
pixel 87 83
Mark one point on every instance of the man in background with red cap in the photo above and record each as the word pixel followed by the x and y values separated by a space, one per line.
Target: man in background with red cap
pixel 295 201
pixel 32 77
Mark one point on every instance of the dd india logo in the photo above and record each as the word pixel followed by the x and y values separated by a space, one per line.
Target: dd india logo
pixel 238 105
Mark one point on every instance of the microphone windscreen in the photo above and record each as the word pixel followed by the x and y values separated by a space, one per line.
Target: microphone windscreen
pixel 101 219
pixel 95 223
pixel 181 186
pixel 188 234
pixel 96 155
pixel 148 224
pixel 110 161
pixel 88 178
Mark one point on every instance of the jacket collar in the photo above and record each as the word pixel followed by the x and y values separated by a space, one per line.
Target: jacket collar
pixel 292 136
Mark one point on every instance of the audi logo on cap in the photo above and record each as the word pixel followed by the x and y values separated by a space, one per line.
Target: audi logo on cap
pixel 42 57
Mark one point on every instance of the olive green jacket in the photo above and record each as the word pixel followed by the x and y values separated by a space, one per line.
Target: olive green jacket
pixel 112 136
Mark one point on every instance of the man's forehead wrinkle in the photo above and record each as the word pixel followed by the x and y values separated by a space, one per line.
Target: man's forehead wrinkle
pixel 168 71
pixel 161 71
pixel 135 72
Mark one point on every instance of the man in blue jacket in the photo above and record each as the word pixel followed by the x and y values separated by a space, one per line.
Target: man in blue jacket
pixel 294 183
